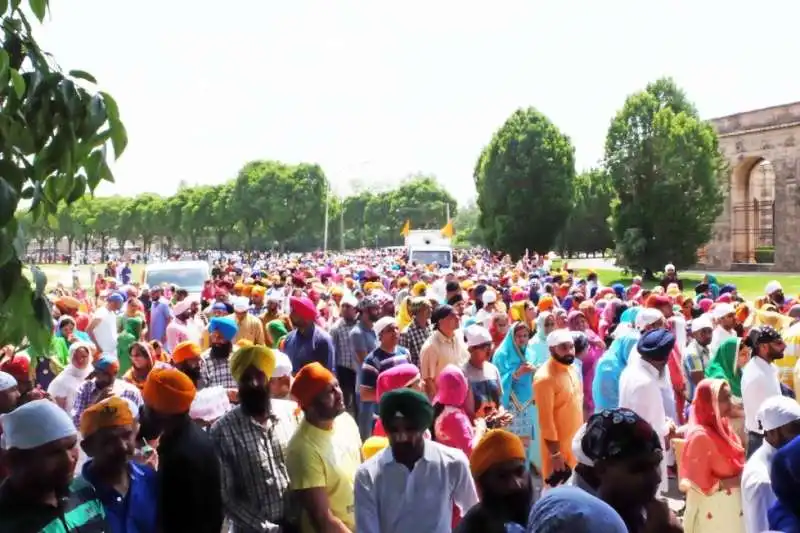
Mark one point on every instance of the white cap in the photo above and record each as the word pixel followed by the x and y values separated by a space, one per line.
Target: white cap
pixel 669 268
pixel 210 404
pixel 350 300
pixel 489 297
pixel 7 381
pixel 558 337
pixel 701 322
pixel 283 365
pixel 647 317
pixel 35 424
pixel 382 324
pixel 477 335
pixel 723 309
pixel 577 447
pixel 773 287
pixel 777 411
pixel 241 304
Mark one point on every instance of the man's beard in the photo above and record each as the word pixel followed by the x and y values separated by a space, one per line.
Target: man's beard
pixel 193 373
pixel 565 360
pixel 221 351
pixel 514 506
pixel 254 401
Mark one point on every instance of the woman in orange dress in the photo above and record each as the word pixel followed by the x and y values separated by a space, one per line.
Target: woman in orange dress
pixel 711 463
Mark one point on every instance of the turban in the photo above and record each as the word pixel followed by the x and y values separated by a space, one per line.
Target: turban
pixel 185 350
pixel 495 447
pixel 241 304
pixel 303 307
pixel 419 288
pixel 657 300
pixel 168 391
pixel 247 290
pixel 309 383
pixel 656 344
pixel 259 291
pixel 108 364
pixel 648 317
pixel 210 404
pixel 110 413
pixel 575 510
pixel 182 307
pixel 283 365
pixel 226 326
pixel 546 303
pixel 238 287
pixel 35 424
pixel 618 434
pixel 19 366
pixel 7 381
pixel 68 302
pixel 373 445
pixel 410 405
pixel 260 357
pixel 558 337
pixel 397 377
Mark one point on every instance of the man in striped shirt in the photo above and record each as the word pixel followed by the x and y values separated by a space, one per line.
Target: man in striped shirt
pixel 388 354
pixel 40 493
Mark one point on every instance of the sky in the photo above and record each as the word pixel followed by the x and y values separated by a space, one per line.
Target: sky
pixel 374 91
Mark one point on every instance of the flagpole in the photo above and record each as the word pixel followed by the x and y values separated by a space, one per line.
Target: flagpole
pixel 325 229
pixel 447 206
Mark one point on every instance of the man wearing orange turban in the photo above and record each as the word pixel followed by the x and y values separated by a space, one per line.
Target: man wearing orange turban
pixel 504 483
pixel 313 473
pixel 186 358
pixel 189 469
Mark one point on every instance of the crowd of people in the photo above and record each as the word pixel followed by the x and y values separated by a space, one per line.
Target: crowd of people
pixel 359 393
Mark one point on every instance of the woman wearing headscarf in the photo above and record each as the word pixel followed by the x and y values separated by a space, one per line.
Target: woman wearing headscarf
pixel 277 332
pixel 515 364
pixel 561 318
pixel 577 322
pixel 132 331
pixel 64 388
pixel 592 315
pixel 537 347
pixel 784 515
pixel 726 364
pixel 608 317
pixel 605 386
pixel 711 463
pixel 523 311
pixel 498 329
pixel 452 425
pixel 142 363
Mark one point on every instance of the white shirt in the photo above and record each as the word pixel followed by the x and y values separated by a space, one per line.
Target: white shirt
pixel 391 499
pixel 106 331
pixel 757 495
pixel 759 382
pixel 717 336
pixel 640 390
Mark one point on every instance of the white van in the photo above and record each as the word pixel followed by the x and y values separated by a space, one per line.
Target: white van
pixel 189 275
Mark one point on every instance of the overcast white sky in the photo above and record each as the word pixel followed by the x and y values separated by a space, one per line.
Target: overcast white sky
pixel 376 90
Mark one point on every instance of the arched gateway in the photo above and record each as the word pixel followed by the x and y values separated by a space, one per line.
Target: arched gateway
pixel 760 221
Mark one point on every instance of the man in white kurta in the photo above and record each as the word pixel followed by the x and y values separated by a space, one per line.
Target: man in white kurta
pixel 760 380
pixel 641 385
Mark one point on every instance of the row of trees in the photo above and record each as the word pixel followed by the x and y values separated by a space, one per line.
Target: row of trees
pixel 268 205
pixel 654 198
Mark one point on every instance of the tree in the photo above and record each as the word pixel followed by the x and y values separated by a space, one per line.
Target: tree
pixel 588 225
pixel 54 132
pixel 524 181
pixel 665 167
pixel 466 225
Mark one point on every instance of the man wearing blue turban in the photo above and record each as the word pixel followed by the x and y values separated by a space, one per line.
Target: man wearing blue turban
pixel 221 331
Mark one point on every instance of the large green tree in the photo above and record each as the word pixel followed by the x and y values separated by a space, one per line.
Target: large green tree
pixel 665 168
pixel 588 225
pixel 55 129
pixel 524 179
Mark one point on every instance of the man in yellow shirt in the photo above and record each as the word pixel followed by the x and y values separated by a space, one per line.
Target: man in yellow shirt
pixel 324 453
pixel 250 327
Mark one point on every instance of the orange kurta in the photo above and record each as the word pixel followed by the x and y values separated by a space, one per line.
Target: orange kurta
pixel 559 400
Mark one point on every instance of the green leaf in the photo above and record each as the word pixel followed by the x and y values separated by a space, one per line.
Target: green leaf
pixel 111 106
pixel 3 63
pixel 93 168
pixel 15 4
pixel 119 137
pixel 83 75
pixel 8 202
pixel 39 8
pixel 18 83
pixel 6 246
pixel 3 6
pixel 78 189
pixel 95 117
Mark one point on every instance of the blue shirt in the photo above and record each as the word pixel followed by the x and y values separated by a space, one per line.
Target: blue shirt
pixel 135 512
pixel 314 345
pixel 159 319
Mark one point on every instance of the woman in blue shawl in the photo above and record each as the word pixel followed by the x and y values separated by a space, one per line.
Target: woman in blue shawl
pixel 605 386
pixel 540 353
pixel 514 361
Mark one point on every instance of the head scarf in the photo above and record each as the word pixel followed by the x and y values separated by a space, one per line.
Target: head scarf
pixel 592 316
pixel 19 366
pixel 605 386
pixel 35 424
pixel 411 405
pixel 508 358
pixel 495 447
pixel 258 356
pixel 277 331
pixel 168 391
pixel 574 510
pixel 573 320
pixel 706 420
pixel 618 434
pixel 226 326
pixel 309 383
pixel 397 377
pixel 109 413
pixel 79 373
pixel 723 365
pixel 451 387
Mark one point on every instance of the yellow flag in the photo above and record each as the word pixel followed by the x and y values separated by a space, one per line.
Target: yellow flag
pixel 448 230
pixel 406 229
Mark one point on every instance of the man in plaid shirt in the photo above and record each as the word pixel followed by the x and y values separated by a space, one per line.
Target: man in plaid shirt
pixel 347 366
pixel 415 334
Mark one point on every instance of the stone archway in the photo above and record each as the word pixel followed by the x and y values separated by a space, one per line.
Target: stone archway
pixel 761 208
